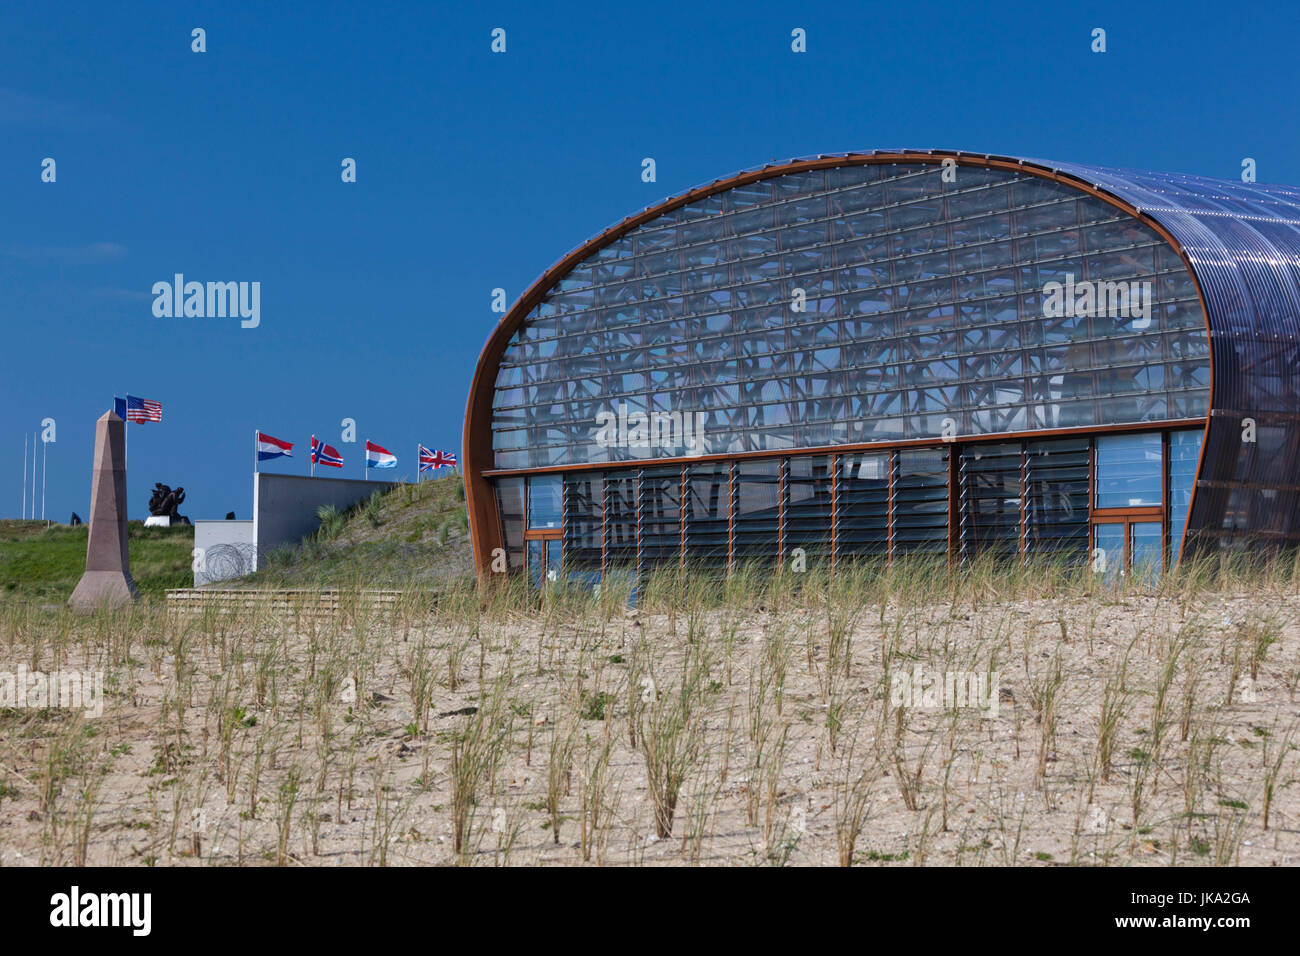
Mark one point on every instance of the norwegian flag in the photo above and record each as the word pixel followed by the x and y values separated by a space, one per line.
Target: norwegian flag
pixel 431 460
pixel 142 410
pixel 324 454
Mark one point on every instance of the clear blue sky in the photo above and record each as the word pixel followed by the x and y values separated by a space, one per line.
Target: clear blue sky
pixel 478 170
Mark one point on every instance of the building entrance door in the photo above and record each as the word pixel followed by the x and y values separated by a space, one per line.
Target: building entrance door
pixel 543 555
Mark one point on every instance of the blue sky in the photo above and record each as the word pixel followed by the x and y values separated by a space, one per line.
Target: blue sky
pixel 478 170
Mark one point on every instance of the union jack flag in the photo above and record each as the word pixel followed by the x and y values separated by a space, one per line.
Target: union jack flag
pixel 430 460
pixel 323 454
pixel 143 410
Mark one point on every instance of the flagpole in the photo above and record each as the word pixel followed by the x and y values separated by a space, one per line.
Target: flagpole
pixel 33 475
pixel 255 451
pixel 45 448
pixel 24 514
pixel 311 459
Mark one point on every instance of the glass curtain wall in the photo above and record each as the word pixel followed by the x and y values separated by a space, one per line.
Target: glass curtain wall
pixel 851 305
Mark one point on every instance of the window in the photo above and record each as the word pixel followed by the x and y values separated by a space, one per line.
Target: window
pixel 544 563
pixel 862 525
pixel 1184 453
pixel 921 502
pixel 1056 483
pixel 584 536
pixel 808 506
pixel 510 505
pixel 757 500
pixel 1108 539
pixel 1129 470
pixel 990 500
pixel 545 507
pixel 621 520
pixel 707 516
pixel 661 516
pixel 1148 550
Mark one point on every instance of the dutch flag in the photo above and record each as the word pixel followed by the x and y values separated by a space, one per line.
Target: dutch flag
pixel 268 448
pixel 377 457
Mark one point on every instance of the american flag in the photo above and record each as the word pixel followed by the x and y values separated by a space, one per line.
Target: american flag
pixel 429 460
pixel 143 410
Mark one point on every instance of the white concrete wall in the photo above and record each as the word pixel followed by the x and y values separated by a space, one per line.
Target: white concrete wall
pixel 223 549
pixel 284 506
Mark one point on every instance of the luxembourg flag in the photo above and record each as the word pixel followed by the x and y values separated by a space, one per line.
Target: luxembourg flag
pixel 268 448
pixel 377 457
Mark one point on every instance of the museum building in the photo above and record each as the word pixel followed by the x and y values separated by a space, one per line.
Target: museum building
pixel 895 353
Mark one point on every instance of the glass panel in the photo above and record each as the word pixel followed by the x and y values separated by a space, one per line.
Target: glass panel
pixel 554 550
pixel 756 506
pixel 510 505
pixel 536 564
pixel 1148 551
pixel 921 502
pixel 620 521
pixel 1109 540
pixel 1184 453
pixel 862 526
pixel 1129 470
pixel 584 508
pixel 990 500
pixel 808 507
pixel 661 516
pixel 545 507
pixel 707 503
pixel 1057 488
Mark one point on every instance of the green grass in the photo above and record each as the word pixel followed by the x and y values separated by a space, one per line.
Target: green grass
pixel 414 535
pixel 44 564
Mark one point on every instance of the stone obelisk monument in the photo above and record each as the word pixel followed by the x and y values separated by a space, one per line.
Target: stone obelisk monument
pixel 107 580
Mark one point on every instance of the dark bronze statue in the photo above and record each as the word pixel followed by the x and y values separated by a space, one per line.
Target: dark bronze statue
pixel 166 502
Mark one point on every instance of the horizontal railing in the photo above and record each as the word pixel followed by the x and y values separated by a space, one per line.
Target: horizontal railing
pixel 291 601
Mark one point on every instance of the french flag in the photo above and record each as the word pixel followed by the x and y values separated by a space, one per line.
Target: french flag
pixel 377 457
pixel 268 448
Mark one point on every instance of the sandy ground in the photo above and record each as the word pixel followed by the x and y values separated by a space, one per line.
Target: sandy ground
pixel 340 742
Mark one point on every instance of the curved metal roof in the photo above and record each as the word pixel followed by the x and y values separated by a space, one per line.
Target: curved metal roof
pixel 1242 241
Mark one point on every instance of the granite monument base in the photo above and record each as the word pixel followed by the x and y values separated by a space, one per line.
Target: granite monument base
pixel 107 581
pixel 104 588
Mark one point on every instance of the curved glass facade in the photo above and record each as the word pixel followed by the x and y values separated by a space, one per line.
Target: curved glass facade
pixel 854 305
pixel 890 355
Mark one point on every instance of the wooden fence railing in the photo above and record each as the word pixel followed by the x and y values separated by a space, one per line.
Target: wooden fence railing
pixel 288 601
